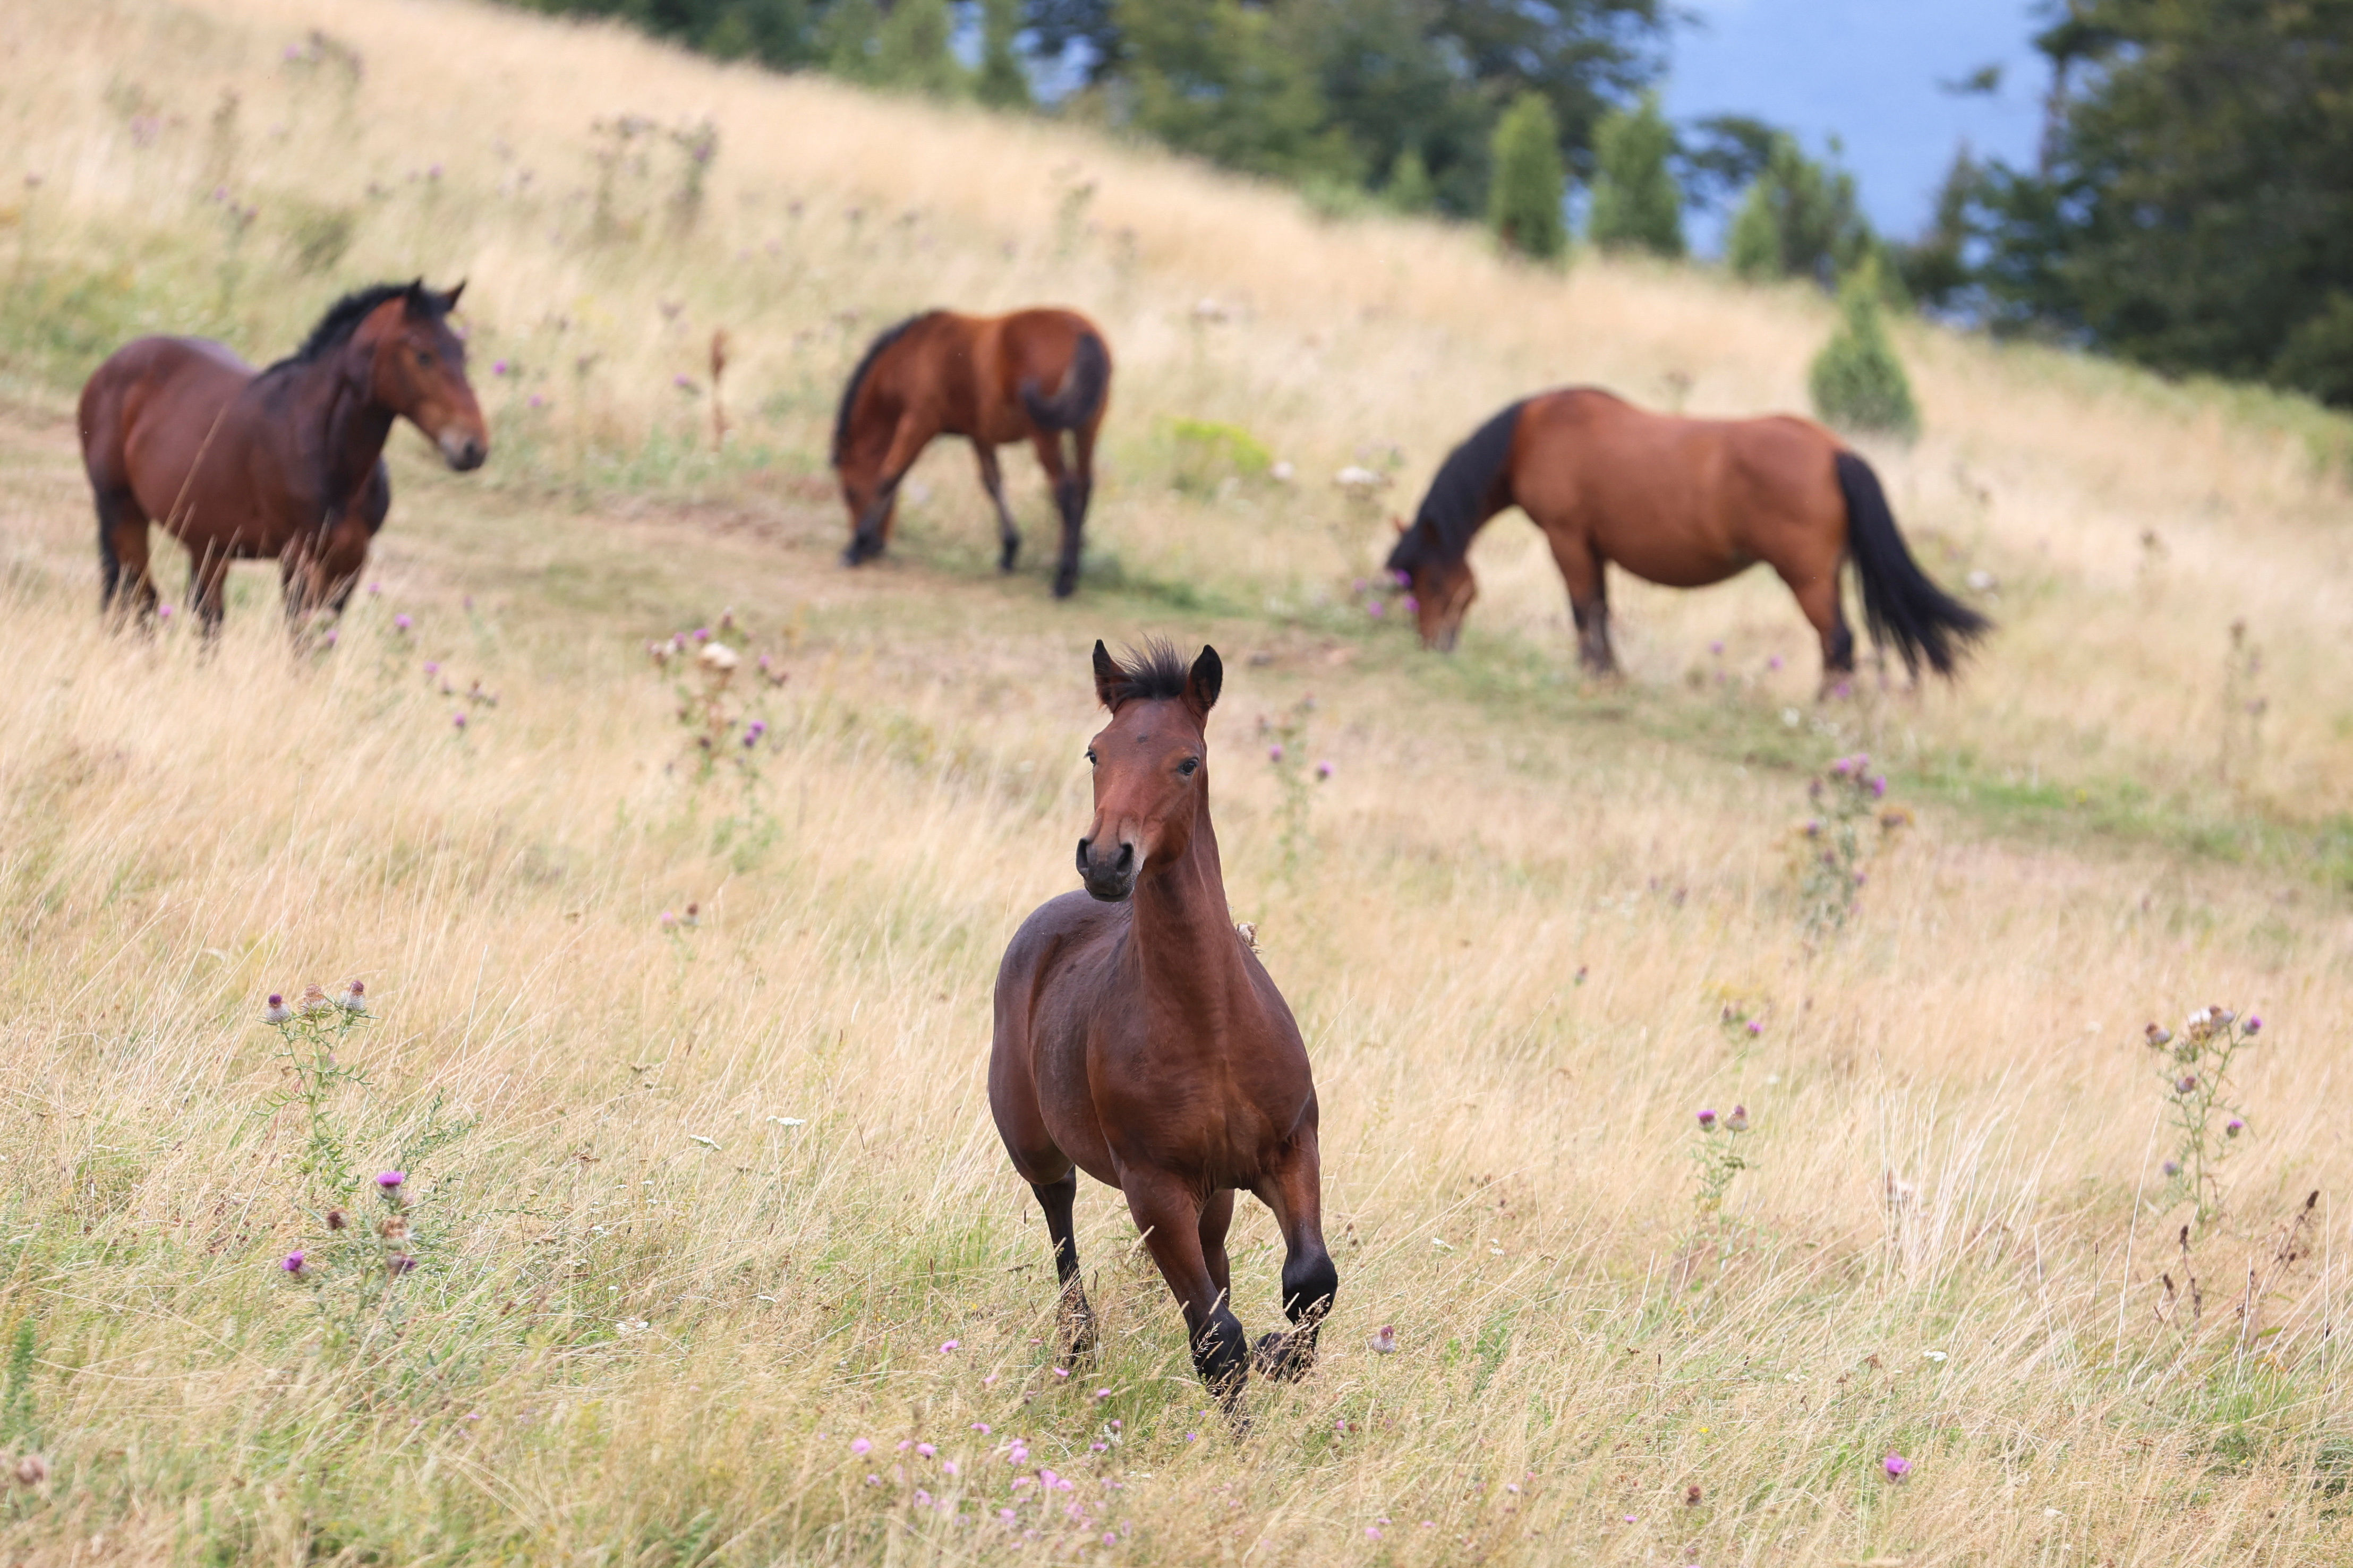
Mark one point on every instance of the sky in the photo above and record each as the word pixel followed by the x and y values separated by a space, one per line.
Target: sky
pixel 1867 71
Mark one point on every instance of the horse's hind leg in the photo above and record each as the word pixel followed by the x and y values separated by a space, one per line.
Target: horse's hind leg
pixel 1817 593
pixel 1310 1282
pixel 1077 1319
pixel 1073 483
pixel 208 585
pixel 126 590
pixel 992 479
pixel 1170 1218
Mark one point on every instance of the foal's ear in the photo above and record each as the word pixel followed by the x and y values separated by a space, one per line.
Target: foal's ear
pixel 1203 680
pixel 1111 681
pixel 449 300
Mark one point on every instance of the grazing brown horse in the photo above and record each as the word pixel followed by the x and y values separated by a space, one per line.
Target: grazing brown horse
pixel 1139 1039
pixel 1034 377
pixel 287 462
pixel 1684 503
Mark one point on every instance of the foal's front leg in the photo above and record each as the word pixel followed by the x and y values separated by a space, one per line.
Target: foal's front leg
pixel 1074 1319
pixel 1310 1282
pixel 1169 1216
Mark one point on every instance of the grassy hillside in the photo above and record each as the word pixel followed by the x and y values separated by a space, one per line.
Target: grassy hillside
pixel 699 1206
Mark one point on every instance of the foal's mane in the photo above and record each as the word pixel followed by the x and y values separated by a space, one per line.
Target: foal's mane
pixel 344 316
pixel 1459 496
pixel 858 378
pixel 1155 672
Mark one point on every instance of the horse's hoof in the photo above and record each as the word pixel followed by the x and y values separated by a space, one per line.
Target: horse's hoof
pixel 1065 586
pixel 1277 1357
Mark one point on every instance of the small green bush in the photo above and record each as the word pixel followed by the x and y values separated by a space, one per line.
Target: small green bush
pixel 1857 381
pixel 1208 453
pixel 1524 204
pixel 1637 205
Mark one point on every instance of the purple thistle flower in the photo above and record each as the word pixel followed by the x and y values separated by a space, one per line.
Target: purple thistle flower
pixel 1707 1120
pixel 1404 579
pixel 1374 609
pixel 293 1263
pixel 401 623
pixel 1878 786
pixel 861 1446
pixel 1412 605
pixel 390 1181
pixel 2254 1026
pixel 458 720
pixel 949 1346
pixel 400 1263
pixel 498 367
pixel 1773 663
pixel 925 1450
pixel 2171 1168
pixel 1357 587
pixel 1274 753
pixel 1324 770
pixel 2234 1127
pixel 2187 1084
pixel 1716 649
pixel 1896 1466
pixel 162 612
pixel 432 666
pixel 1755 1027
pixel 537 401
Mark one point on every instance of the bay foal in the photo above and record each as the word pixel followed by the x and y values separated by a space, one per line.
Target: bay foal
pixel 1140 1040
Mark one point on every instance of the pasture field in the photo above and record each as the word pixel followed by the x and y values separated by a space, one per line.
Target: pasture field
pixel 718 1259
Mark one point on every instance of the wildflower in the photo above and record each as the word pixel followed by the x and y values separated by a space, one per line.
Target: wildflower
pixel 2255 1024
pixel 1707 1120
pixel 753 731
pixel 1412 605
pixel 1274 753
pixel 390 1181
pixel 162 612
pixel 1773 663
pixel 905 1444
pixel 861 1446
pixel 498 367
pixel 949 1345
pixel 2157 1039
pixel 399 1263
pixel 981 1427
pixel 315 1001
pixel 1384 1340
pixel 1755 1029
pixel 32 1471
pixel 1006 1514
pixel 432 666
pixel 923 1498
pixel 354 999
pixel 278 1013
pixel 2234 1127
pixel 394 1228
pixel 401 623
pixel 668 920
pixel 702 634
pixel 1896 1466
pixel 717 658
pixel 458 720
pixel 947 1467
pixel 293 1263
pixel 1324 770
pixel 1404 579
pixel 1878 786
pixel 1375 608
pixel 1692 1494
pixel 1738 1121
pixel 692 918
pixel 537 401
pixel 1716 649
pixel 925 1450
pixel 1372 1533
pixel 2187 1084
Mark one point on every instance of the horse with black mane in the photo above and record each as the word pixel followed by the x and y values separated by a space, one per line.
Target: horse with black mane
pixel 1139 1038
pixel 1034 375
pixel 1684 503
pixel 287 462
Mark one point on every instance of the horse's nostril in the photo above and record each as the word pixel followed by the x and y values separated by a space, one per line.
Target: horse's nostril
pixel 1126 856
pixel 1083 845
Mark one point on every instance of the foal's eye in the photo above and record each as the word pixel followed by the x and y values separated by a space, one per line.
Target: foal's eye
pixel 1091 759
pixel 425 358
pixel 1188 767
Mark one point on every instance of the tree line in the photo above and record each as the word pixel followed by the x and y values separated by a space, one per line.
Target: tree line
pixel 2191 207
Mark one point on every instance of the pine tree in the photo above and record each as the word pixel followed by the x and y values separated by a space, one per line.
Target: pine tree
pixel 1637 205
pixel 1410 189
pixel 1857 381
pixel 1002 83
pixel 912 50
pixel 1524 203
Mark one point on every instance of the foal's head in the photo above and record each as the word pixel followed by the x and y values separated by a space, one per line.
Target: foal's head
pixel 1151 763
pixel 1440 580
pixel 419 370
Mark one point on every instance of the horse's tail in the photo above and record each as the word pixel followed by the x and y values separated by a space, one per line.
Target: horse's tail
pixel 1084 383
pixel 1903 604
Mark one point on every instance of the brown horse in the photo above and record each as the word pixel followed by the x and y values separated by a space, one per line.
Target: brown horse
pixel 287 462
pixel 1684 503
pixel 1139 1039
pixel 984 378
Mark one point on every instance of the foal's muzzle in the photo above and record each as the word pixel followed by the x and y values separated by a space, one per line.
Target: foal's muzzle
pixel 462 450
pixel 1109 872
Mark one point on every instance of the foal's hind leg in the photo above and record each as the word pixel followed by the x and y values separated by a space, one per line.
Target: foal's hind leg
pixel 1076 1319
pixel 993 480
pixel 1310 1282
pixel 1816 587
pixel 1073 486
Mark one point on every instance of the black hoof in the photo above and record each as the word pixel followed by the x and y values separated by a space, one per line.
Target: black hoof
pixel 1004 562
pixel 1065 585
pixel 1284 1356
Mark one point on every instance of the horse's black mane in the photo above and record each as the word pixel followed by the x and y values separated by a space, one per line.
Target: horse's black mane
pixel 858 379
pixel 344 316
pixel 1155 672
pixel 1460 496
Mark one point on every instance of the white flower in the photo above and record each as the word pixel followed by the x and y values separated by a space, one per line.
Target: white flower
pixel 1360 480
pixel 719 657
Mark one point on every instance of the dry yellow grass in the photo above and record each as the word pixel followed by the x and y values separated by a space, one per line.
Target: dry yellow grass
pixel 653 1316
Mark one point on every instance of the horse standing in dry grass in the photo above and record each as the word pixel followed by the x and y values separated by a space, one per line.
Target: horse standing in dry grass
pixel 985 378
pixel 1140 1040
pixel 239 465
pixel 1682 503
